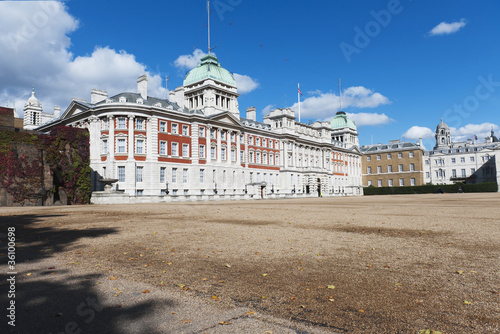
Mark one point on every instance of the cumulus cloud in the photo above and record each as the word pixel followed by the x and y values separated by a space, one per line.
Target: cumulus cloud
pixel 445 28
pixel 325 105
pixel 417 132
pixel 468 131
pixel 244 83
pixel 35 50
pixel 268 109
pixel 363 119
pixel 188 62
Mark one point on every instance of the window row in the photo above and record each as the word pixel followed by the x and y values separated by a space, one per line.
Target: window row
pixel 411 154
pixel 122 123
pixel 390 182
pixel 390 170
pixel 174 149
pixel 174 128
pixel 122 146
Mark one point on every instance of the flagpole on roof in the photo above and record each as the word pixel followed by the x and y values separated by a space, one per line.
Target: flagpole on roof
pixel 208 12
pixel 298 96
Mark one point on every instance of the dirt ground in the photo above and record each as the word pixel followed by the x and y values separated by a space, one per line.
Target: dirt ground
pixel 375 264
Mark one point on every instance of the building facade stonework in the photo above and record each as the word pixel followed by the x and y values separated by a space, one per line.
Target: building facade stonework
pixel 396 164
pixel 195 145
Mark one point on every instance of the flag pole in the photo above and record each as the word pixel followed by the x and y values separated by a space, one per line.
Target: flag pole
pixel 298 96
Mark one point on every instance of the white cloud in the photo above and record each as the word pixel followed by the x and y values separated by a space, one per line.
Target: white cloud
pixel 468 131
pixel 244 83
pixel 188 62
pixel 445 28
pixel 363 119
pixel 417 132
pixel 268 109
pixel 325 105
pixel 35 50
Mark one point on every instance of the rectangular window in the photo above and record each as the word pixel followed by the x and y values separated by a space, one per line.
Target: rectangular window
pixel 163 126
pixel 212 134
pixel 400 155
pixel 427 175
pixel 412 154
pixel 379 169
pixel 369 170
pixel 139 146
pixel 105 146
pixel 412 167
pixel 202 151
pixel 202 175
pixel 242 156
pixel 400 167
pixel 379 183
pixel 138 174
pixel 251 177
pixel 453 173
pixel 185 150
pixel 389 169
pixel 412 181
pixel 163 148
pixel 162 174
pixel 139 124
pixel 264 158
pixel 389 156
pixel 185 130
pixel 122 123
pixel 202 132
pixel 369 182
pixel 223 153
pixel 105 124
pixel 472 171
pixel 390 183
pixel 175 149
pixel 122 147
pixel 121 173
pixel 453 160
pixel 401 182
pixel 378 157
pixel 464 173
pixel 233 137
pixel 175 128
pixel 257 141
pixel 212 153
pixel 184 175
pixel 462 159
pixel 427 162
pixel 258 157
pixel 471 159
pixel 174 175
pixel 233 155
pixel 368 158
pixel 139 192
pixel 251 157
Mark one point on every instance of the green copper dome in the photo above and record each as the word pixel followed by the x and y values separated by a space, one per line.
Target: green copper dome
pixel 342 121
pixel 209 68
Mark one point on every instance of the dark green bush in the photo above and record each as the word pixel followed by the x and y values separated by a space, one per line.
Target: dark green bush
pixel 432 188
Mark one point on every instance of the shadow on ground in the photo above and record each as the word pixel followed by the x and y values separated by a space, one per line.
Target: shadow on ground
pixel 54 300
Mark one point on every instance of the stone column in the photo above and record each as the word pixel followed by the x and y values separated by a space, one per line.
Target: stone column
pixel 209 144
pixel 238 148
pixel 110 170
pixel 229 159
pixel 131 137
pixel 149 139
pixel 219 145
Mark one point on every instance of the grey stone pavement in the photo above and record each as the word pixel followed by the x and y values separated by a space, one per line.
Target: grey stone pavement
pixel 55 297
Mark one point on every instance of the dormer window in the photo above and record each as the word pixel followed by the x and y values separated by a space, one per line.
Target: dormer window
pixel 122 99
pixel 158 105
pixel 140 101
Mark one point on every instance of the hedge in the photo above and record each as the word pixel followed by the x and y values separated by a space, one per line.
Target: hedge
pixel 431 188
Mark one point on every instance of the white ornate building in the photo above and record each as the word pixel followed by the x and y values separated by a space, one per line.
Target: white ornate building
pixel 195 144
pixel 34 115
pixel 468 161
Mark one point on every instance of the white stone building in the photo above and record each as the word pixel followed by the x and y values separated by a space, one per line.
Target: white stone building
pixel 196 146
pixel 469 161
pixel 34 115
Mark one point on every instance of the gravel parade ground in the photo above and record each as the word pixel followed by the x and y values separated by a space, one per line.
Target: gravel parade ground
pixel 374 264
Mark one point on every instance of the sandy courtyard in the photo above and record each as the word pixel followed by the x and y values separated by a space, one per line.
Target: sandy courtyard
pixel 379 264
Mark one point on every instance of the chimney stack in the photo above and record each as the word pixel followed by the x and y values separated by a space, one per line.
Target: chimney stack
pixel 57 111
pixel 97 96
pixel 142 86
pixel 252 114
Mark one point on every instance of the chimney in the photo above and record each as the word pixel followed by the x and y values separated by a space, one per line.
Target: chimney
pixel 252 114
pixel 420 143
pixel 142 86
pixel 171 96
pixel 57 111
pixel 96 96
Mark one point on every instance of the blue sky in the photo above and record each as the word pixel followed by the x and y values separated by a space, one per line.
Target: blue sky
pixel 404 64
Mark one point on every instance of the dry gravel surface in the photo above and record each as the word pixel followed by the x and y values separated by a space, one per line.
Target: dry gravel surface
pixel 374 264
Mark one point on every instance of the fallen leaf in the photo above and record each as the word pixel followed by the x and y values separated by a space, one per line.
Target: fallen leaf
pixel 224 323
pixel 228 265
pixel 429 331
pixel 264 275
pixel 112 278
pixel 186 321
pixel 467 302
pixel 331 287
pixel 361 311
pixel 331 299
pixel 460 272
pixel 28 274
pixel 145 291
pixel 250 313
pixel 215 298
